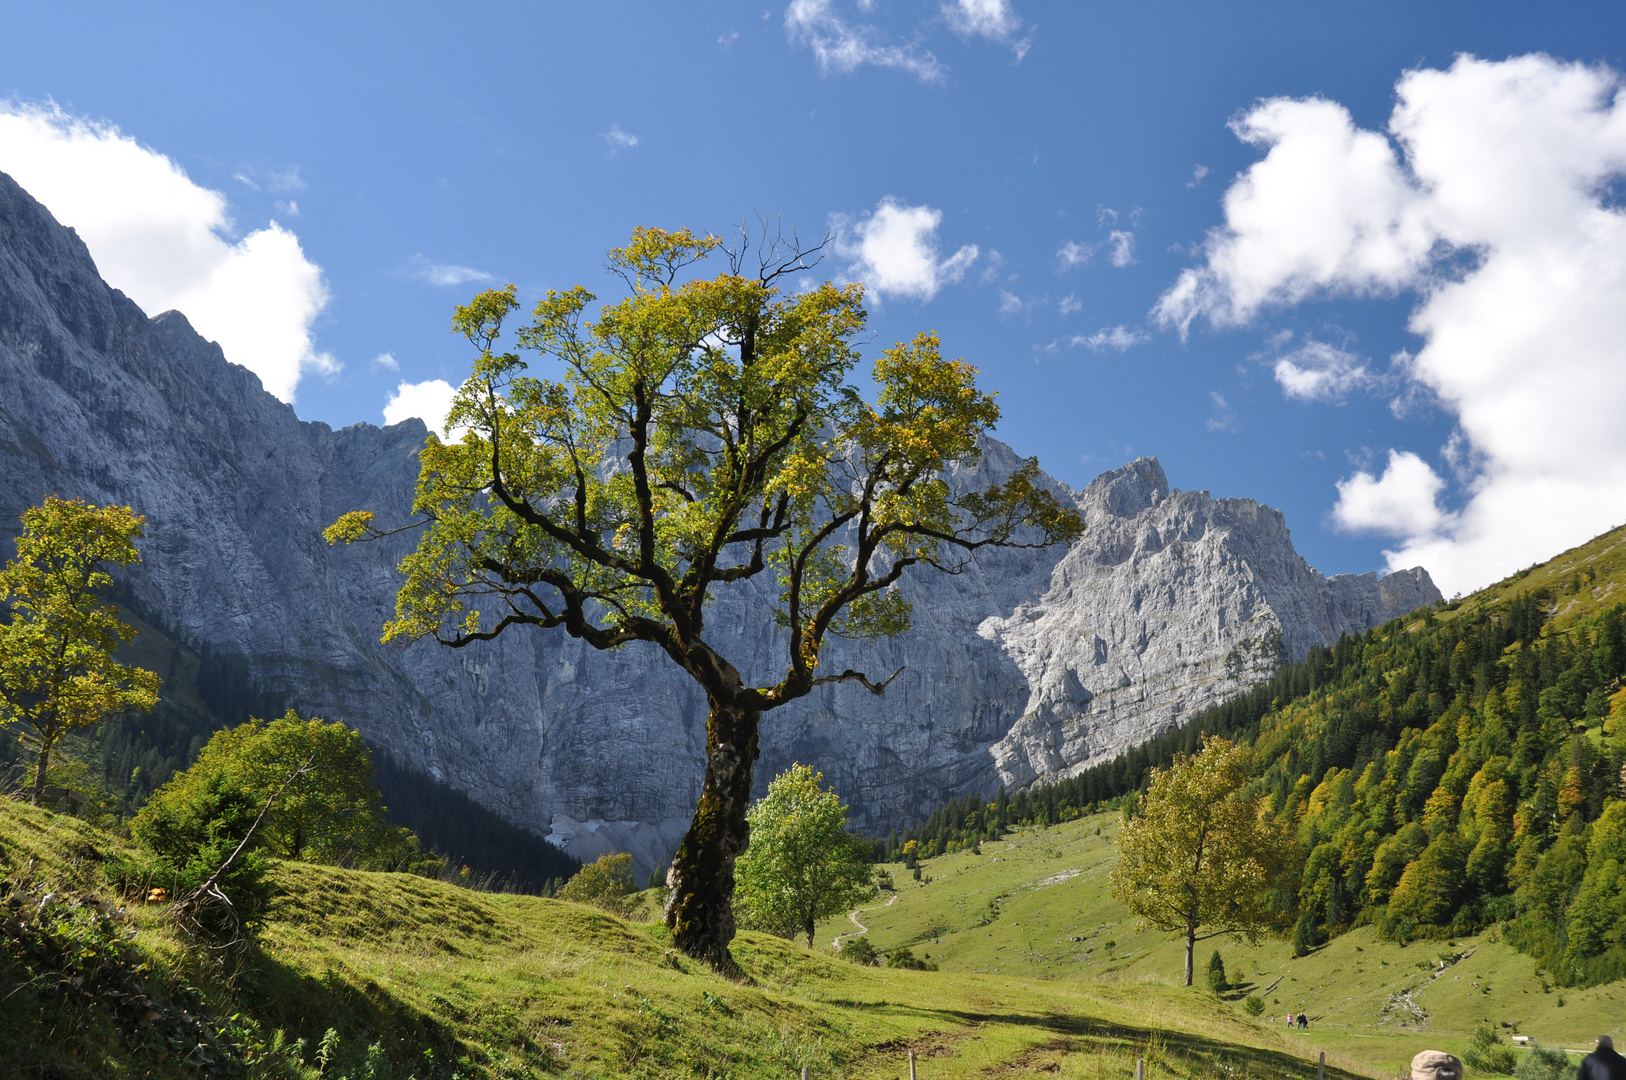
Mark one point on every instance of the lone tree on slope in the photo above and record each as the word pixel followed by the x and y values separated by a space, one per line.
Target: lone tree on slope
pixel 1198 855
pixel 803 865
pixel 57 670
pixel 703 433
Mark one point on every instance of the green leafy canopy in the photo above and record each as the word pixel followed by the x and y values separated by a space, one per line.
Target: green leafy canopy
pixel 57 671
pixel 802 865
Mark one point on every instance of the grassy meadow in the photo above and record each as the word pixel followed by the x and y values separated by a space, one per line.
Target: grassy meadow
pixel 445 981
pixel 1040 974
pixel 1035 906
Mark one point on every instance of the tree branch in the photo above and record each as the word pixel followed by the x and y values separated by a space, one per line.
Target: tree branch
pixel 853 676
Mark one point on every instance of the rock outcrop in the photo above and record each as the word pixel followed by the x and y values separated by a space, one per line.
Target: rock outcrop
pixel 1030 664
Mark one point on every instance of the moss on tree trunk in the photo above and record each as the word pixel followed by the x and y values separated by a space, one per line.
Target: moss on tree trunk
pixel 699 904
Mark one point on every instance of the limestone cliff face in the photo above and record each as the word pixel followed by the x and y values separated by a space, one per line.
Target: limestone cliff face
pixel 1027 665
pixel 1172 602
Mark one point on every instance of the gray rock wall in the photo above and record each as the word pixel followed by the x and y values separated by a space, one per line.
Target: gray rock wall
pixel 1030 664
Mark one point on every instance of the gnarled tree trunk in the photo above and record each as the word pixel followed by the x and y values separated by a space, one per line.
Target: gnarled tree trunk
pixel 699 901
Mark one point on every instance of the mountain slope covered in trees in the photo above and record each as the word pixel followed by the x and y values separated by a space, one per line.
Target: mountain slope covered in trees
pixel 1455 768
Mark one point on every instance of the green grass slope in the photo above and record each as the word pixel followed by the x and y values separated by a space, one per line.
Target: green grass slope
pixel 438 978
pixel 1585 580
pixel 1035 905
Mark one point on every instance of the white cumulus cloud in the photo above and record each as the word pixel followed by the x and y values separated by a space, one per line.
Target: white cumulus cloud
pixel 894 251
pixel 1404 500
pixel 1073 253
pixel 1488 197
pixel 429 401
pixel 167 242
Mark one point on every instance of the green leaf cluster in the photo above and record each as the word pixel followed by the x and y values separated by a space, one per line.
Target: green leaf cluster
pixel 1200 856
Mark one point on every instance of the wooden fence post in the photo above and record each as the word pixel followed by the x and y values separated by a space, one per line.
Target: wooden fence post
pixel 1140 1068
pixel 1321 1069
pixel 911 1065
pixel 805 1073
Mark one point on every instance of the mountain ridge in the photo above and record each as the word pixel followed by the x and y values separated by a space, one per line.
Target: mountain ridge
pixel 1028 665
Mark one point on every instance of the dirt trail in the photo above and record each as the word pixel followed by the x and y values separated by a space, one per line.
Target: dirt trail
pixel 862 929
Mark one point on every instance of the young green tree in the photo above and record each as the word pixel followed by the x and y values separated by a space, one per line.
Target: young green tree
pixel 57 670
pixel 703 433
pixel 329 812
pixel 1198 855
pixel 802 865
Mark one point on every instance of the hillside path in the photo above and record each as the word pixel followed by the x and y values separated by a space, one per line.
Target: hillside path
pixel 862 929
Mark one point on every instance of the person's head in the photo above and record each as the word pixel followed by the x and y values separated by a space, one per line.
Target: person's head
pixel 1605 1043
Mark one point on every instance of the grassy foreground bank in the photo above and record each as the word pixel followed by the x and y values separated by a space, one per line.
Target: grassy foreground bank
pixel 421 978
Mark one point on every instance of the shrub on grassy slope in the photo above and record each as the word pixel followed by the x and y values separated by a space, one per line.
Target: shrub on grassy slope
pixel 606 882
pixel 330 813
pixel 1488 1053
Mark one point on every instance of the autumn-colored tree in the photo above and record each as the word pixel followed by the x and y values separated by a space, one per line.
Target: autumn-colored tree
pixel 57 670
pixel 703 433
pixel 803 865
pixel 1199 858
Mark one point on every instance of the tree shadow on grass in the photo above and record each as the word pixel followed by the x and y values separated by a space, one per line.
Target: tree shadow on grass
pixel 364 1014
pixel 1082 1034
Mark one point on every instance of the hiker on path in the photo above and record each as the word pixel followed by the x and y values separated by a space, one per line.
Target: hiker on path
pixel 1304 1022
pixel 1603 1063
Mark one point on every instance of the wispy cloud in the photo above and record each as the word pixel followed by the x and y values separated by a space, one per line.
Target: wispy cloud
pixel 995 20
pixel 1122 244
pixel 435 273
pixel 1117 338
pixel 1069 304
pixel 386 361
pixel 619 140
pixel 1224 418
pixel 276 181
pixel 842 46
pixel 1316 371
pixel 1073 254
pixel 725 40
pixel 1197 175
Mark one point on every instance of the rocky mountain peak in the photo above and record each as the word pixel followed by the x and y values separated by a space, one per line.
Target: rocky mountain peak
pixel 1126 490
pixel 1028 665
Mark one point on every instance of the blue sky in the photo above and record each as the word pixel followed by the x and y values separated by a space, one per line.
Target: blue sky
pixel 412 154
